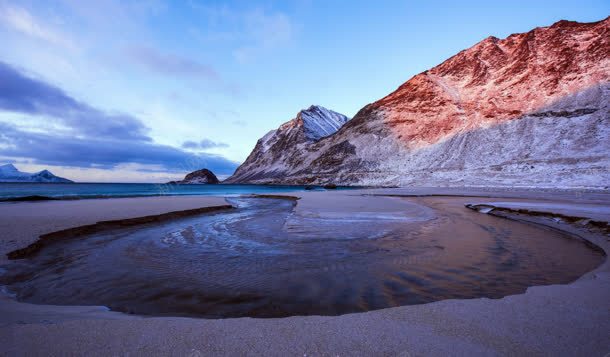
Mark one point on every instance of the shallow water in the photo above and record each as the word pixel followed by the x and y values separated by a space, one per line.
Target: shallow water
pixel 10 191
pixel 262 260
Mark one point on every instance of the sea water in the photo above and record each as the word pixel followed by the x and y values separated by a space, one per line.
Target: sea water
pixel 10 191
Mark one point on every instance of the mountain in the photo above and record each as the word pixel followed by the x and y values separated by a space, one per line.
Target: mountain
pixel 273 157
pixel 203 176
pixel 531 109
pixel 9 173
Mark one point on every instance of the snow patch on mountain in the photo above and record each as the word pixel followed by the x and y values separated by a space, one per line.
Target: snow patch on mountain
pixel 319 122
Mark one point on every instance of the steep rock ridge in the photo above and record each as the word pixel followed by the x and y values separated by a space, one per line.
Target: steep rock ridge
pixel 531 109
pixel 9 173
pixel 277 153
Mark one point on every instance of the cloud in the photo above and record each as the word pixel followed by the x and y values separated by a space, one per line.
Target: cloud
pixel 267 31
pixel 107 21
pixel 98 139
pixel 251 32
pixel 28 95
pixel 169 64
pixel 20 20
pixel 48 149
pixel 203 144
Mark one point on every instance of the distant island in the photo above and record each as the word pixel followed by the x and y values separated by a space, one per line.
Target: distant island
pixel 9 173
pixel 199 177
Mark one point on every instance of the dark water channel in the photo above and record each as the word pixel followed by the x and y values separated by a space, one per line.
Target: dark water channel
pixel 261 261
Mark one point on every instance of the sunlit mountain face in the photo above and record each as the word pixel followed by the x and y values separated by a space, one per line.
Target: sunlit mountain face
pixel 499 80
pixel 530 109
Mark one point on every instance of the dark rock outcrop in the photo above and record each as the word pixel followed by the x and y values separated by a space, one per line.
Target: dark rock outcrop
pixel 203 176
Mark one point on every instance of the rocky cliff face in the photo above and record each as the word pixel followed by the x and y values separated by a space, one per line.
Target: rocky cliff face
pixel 278 153
pixel 531 109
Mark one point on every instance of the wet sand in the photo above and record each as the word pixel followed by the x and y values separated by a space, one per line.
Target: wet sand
pixel 570 319
pixel 22 223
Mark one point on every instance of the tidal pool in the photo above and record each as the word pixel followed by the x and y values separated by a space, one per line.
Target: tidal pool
pixel 262 260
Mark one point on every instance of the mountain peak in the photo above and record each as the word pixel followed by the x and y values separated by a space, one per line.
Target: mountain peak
pixel 8 167
pixel 44 173
pixel 319 122
pixel 275 152
pixel 315 108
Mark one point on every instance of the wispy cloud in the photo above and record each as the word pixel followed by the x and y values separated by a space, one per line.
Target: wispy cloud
pixel 115 20
pixel 252 32
pixel 267 31
pixel 203 145
pixel 98 139
pixel 169 64
pixel 22 21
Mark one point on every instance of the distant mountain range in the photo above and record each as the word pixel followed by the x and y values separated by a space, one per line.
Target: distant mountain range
pixel 529 110
pixel 9 173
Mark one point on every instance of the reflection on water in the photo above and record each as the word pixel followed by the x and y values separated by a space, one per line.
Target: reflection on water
pixel 260 260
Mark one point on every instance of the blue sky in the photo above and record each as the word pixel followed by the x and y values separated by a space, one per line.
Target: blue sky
pixel 143 91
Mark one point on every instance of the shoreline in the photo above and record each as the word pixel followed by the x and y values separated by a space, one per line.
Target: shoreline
pixel 434 328
pixel 17 193
pixel 299 188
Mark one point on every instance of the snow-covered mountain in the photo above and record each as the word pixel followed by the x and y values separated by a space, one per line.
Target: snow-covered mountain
pixel 274 155
pixel 9 173
pixel 531 109
pixel 319 122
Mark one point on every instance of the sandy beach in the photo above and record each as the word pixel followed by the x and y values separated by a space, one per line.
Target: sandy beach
pixel 571 319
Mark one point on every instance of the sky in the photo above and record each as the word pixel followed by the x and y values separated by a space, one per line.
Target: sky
pixel 147 91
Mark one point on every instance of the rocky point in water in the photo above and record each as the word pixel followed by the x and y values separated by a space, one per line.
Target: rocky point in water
pixel 203 176
pixel 529 110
